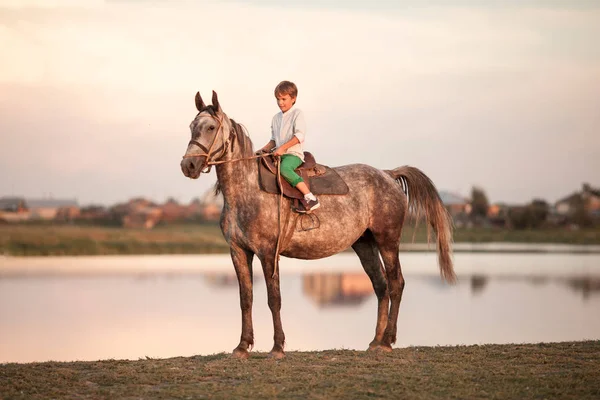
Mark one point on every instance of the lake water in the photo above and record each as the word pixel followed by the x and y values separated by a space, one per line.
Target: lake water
pixel 92 308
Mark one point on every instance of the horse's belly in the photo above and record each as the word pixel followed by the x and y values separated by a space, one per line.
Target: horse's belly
pixel 322 241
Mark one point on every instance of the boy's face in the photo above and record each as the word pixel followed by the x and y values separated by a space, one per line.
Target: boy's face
pixel 285 101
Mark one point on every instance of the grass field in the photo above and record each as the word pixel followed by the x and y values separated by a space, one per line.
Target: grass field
pixel 32 240
pixel 537 371
pixel 28 240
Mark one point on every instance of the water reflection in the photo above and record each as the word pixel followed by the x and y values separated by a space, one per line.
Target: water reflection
pixel 350 289
pixel 221 279
pixel 353 288
pixel 478 283
pixel 166 315
pixel 587 286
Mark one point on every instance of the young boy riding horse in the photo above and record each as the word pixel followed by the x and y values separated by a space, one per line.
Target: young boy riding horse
pixel 288 130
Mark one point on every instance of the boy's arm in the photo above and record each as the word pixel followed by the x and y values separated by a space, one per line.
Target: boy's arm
pixel 283 148
pixel 300 127
pixel 267 147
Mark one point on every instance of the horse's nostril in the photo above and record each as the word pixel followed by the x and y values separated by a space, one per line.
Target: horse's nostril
pixel 191 165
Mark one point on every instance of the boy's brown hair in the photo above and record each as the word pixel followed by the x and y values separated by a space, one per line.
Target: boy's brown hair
pixel 286 87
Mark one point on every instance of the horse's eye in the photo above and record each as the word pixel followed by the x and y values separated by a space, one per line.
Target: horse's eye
pixel 212 128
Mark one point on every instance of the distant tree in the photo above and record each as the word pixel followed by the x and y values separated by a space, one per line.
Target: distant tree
pixel 580 215
pixel 479 203
pixel 538 210
pixel 531 216
pixel 171 200
pixel 518 217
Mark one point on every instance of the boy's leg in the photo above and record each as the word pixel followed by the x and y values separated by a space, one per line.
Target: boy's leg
pixel 288 164
pixel 301 186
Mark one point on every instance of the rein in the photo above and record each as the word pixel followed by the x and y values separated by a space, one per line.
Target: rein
pixel 209 163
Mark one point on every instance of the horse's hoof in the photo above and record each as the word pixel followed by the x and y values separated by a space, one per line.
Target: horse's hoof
pixel 240 354
pixel 385 349
pixel 380 347
pixel 276 354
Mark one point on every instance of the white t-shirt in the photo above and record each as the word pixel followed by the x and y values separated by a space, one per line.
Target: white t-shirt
pixel 287 125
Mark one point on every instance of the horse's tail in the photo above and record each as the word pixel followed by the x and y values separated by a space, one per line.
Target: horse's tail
pixel 423 198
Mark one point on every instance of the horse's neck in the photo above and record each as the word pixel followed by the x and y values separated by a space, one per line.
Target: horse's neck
pixel 238 178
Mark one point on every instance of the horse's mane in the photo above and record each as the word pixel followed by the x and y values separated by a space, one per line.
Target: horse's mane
pixel 242 139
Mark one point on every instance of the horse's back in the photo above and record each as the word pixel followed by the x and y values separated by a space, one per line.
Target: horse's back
pixel 364 176
pixel 379 192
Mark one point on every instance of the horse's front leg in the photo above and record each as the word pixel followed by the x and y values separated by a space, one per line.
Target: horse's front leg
pixel 274 300
pixel 242 261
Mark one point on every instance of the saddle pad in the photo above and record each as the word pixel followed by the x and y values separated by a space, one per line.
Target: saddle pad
pixel 328 183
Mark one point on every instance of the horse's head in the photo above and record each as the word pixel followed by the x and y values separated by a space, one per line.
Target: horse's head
pixel 211 134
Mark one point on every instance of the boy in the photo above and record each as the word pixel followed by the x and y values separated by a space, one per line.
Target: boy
pixel 287 135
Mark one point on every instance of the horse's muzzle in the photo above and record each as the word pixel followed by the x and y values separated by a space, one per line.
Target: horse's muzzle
pixel 192 166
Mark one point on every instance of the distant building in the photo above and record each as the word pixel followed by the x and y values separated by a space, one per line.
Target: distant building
pixel 142 218
pixel 172 211
pixel 13 204
pixel 195 208
pixel 48 209
pixel 67 214
pixel 207 208
pixel 455 203
pixel 137 213
pixel 587 198
pixel 458 206
pixel 13 209
pixel 211 205
pixel 94 213
pixel 498 214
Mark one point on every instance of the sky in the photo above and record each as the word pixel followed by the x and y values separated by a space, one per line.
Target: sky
pixel 96 96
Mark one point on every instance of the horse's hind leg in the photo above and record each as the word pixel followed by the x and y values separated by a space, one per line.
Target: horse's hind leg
pixel 389 254
pixel 366 249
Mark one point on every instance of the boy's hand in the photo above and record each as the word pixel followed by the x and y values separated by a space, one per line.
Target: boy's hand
pixel 279 152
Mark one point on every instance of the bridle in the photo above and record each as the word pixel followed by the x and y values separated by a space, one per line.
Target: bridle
pixel 224 148
pixel 208 152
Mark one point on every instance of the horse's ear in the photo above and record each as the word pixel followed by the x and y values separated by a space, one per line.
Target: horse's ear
pixel 199 102
pixel 215 101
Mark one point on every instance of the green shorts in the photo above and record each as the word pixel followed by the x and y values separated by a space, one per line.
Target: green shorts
pixel 289 163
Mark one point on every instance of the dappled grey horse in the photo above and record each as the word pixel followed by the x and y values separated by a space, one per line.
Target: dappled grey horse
pixel 369 219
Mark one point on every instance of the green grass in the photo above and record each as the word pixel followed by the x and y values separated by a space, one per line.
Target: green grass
pixel 556 235
pixel 45 239
pixel 537 371
pixel 41 240
pixel 488 235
